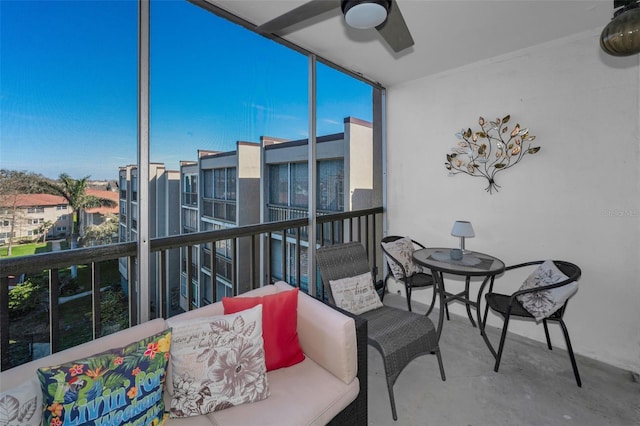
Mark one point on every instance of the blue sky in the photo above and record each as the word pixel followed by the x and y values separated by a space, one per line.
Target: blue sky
pixel 68 81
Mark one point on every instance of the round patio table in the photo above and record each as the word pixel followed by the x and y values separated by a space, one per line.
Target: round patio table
pixel 472 264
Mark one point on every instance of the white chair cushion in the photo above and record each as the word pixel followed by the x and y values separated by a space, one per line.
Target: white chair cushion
pixel 541 304
pixel 401 250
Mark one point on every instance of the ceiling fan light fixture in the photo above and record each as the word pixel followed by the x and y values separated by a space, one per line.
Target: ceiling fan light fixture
pixel 365 14
pixel 621 36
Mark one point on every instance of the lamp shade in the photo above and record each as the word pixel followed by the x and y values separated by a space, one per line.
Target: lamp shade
pixel 621 37
pixel 365 14
pixel 462 228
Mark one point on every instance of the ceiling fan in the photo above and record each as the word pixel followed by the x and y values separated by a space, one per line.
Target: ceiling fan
pixel 384 15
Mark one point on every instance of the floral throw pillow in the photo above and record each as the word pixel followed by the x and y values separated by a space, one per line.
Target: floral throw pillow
pixel 543 303
pixel 120 386
pixel 402 250
pixel 217 363
pixel 355 294
pixel 22 405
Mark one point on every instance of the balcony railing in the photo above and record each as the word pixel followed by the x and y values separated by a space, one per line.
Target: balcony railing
pixel 362 225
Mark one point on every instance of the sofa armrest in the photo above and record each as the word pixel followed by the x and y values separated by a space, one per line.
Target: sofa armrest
pixel 356 413
pixel 318 341
pixel 328 337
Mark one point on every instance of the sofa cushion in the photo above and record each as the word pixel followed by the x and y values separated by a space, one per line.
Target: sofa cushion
pixel 279 325
pixel 302 394
pixel 131 378
pixel 22 405
pixel 217 362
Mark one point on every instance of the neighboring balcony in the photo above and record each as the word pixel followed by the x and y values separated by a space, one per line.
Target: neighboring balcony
pixel 223 210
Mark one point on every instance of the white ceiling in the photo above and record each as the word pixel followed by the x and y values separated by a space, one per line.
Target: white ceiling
pixel 447 33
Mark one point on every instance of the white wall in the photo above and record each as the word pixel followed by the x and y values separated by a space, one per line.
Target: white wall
pixel 577 199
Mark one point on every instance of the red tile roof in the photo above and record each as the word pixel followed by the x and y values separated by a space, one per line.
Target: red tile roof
pixel 33 200
pixel 109 195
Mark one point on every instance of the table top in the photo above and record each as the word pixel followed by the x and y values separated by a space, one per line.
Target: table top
pixel 472 263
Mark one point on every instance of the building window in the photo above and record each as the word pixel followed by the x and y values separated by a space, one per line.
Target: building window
pixel 134 187
pixel 123 187
pixel 189 220
pixel 299 185
pixel 331 185
pixel 5 223
pixel 61 207
pixel 279 184
pixel 219 195
pixel 35 210
pixel 207 184
pixel 190 190
pixel 61 228
pixel 225 184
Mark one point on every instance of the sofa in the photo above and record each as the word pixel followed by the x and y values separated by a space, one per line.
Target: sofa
pixel 328 387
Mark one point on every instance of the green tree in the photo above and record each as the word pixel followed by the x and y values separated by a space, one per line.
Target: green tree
pixel 43 229
pixel 24 298
pixel 74 191
pixel 103 233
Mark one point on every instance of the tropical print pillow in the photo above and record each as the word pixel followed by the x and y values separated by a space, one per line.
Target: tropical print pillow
pixel 119 386
pixel 217 362
pixel 543 303
pixel 402 250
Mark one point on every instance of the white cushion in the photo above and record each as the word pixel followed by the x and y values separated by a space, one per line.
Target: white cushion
pixel 543 303
pixel 326 335
pixel 355 294
pixel 303 394
pixel 402 250
pixel 217 362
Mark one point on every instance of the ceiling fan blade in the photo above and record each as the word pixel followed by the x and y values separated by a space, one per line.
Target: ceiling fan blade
pixel 394 30
pixel 299 14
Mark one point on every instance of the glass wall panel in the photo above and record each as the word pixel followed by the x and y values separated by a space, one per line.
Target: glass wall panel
pixel 68 117
pixel 218 92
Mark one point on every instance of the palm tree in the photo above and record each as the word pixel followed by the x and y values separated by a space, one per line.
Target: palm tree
pixel 74 191
pixel 43 229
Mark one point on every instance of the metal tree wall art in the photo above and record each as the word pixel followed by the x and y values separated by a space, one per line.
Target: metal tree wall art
pixel 492 149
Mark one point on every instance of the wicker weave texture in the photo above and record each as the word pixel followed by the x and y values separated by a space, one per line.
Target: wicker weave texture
pixel 400 336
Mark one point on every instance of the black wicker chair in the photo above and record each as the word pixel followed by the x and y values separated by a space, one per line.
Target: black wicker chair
pixel 509 306
pixel 398 335
pixel 416 280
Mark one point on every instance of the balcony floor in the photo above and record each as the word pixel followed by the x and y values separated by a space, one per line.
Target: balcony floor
pixel 534 386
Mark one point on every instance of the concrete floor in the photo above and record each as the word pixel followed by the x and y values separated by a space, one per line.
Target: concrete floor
pixel 534 386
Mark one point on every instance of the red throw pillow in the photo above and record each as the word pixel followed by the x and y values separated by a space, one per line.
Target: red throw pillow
pixel 279 325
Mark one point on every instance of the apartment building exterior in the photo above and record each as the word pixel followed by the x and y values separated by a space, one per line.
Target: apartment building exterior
pixel 219 191
pixel 164 190
pixel 265 182
pixel 24 215
pixel 344 168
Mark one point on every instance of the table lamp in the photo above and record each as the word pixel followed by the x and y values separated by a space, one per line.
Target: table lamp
pixel 462 229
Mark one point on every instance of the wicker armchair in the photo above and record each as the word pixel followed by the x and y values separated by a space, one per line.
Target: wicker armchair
pixel 416 280
pixel 509 306
pixel 398 335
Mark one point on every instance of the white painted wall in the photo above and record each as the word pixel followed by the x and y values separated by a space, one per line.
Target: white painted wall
pixel 578 199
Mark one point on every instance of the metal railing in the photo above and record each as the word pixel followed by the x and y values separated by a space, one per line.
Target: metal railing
pixel 361 225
